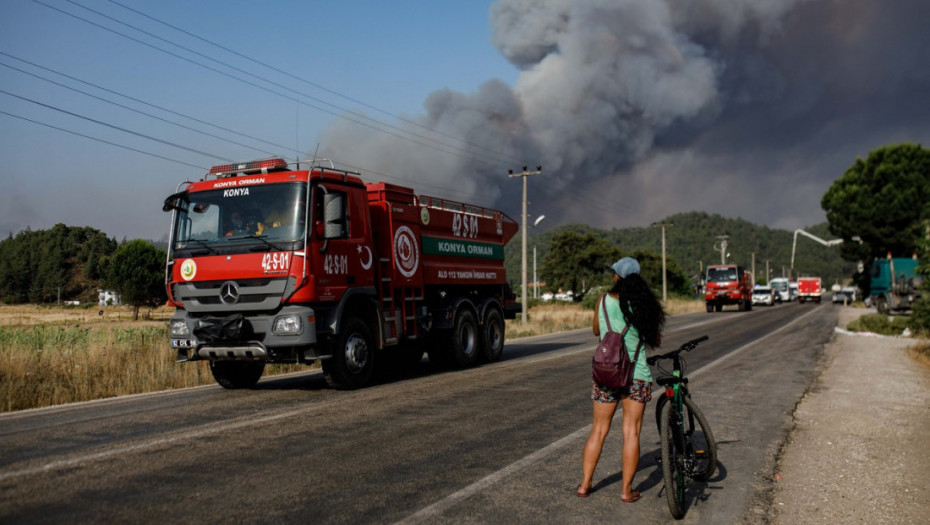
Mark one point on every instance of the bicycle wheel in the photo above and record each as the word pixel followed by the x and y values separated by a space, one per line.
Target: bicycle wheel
pixel 701 448
pixel 673 473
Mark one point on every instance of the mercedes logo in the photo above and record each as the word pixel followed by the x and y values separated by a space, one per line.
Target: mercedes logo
pixel 229 293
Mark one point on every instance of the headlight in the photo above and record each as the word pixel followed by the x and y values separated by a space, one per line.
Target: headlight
pixel 287 325
pixel 179 329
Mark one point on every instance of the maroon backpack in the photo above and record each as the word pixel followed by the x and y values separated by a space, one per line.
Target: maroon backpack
pixel 611 366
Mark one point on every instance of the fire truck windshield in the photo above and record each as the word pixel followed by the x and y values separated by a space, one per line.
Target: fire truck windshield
pixel 269 217
pixel 717 275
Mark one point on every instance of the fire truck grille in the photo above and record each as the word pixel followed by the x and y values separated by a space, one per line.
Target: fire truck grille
pixel 232 295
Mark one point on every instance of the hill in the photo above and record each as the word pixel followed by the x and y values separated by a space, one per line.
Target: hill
pixel 46 266
pixel 690 239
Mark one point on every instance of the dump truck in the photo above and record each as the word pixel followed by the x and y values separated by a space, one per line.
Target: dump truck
pixel 727 284
pixel 809 289
pixel 273 264
pixel 894 284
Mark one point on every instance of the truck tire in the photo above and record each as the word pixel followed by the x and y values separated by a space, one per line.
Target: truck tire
pixel 710 307
pixel 237 374
pixel 352 362
pixel 718 307
pixel 881 304
pixel 463 340
pixel 492 335
pixel 749 305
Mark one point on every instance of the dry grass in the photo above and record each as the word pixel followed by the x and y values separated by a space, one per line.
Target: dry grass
pixel 921 352
pixel 546 318
pixel 54 355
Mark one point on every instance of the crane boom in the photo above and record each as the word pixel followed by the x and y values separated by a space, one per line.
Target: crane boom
pixel 794 246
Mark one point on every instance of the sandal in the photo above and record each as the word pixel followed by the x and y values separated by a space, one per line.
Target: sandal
pixel 580 494
pixel 634 496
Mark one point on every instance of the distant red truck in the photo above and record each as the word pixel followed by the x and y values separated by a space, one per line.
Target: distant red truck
pixel 809 289
pixel 727 284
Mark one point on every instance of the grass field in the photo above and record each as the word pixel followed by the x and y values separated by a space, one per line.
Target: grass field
pixel 55 355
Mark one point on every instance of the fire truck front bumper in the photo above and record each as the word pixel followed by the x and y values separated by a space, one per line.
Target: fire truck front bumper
pixel 255 337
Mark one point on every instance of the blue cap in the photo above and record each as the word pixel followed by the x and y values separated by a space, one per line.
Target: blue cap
pixel 625 266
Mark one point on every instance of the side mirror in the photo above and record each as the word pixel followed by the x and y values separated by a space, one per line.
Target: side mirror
pixel 173 202
pixel 334 215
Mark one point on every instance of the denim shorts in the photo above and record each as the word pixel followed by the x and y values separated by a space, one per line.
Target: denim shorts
pixel 640 391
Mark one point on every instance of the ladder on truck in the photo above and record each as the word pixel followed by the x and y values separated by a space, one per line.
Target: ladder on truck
pixel 398 304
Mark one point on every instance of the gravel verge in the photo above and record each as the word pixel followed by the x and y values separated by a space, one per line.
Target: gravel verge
pixel 860 446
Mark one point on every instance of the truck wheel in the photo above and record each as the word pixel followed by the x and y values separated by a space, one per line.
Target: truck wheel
pixel 492 335
pixel 237 374
pixel 749 305
pixel 881 304
pixel 464 338
pixel 710 307
pixel 352 362
pixel 718 307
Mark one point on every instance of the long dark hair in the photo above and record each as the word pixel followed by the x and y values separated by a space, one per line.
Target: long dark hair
pixel 640 307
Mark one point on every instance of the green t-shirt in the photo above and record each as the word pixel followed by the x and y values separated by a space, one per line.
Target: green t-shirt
pixel 631 339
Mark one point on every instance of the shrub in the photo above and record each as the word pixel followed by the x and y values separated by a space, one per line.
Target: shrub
pixel 879 324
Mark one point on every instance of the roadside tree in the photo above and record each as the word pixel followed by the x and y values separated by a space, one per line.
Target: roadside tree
pixel 883 200
pixel 136 271
pixel 577 260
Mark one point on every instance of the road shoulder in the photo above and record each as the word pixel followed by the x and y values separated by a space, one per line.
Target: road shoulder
pixel 858 451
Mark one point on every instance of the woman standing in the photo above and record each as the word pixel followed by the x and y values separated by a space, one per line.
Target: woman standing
pixel 629 301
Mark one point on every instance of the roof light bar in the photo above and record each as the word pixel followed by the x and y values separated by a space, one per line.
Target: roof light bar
pixel 253 166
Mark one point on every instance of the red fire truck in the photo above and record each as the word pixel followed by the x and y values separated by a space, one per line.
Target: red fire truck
pixel 727 284
pixel 267 264
pixel 809 289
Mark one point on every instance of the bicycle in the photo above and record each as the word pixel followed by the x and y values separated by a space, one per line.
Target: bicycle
pixel 687 451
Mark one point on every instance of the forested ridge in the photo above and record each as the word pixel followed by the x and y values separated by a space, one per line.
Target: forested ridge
pixel 44 266
pixel 690 240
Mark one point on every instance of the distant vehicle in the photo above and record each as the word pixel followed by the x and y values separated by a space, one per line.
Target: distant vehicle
pixel 845 295
pixel 763 295
pixel 780 287
pixel 895 283
pixel 793 291
pixel 809 289
pixel 727 284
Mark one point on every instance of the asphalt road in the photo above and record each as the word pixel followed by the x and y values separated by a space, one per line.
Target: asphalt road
pixel 499 443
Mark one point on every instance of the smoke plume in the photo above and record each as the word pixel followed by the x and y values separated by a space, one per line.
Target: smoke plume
pixel 651 107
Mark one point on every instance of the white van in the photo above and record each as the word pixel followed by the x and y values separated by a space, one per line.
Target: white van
pixel 782 290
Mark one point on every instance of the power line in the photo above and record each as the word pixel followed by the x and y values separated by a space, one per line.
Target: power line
pixel 314 84
pixel 373 124
pixel 139 101
pixel 113 126
pixel 135 110
pixel 102 140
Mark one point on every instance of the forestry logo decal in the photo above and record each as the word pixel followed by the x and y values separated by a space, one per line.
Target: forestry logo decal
pixel 188 269
pixel 406 251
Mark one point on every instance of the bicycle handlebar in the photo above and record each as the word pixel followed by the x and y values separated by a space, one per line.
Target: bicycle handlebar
pixel 686 347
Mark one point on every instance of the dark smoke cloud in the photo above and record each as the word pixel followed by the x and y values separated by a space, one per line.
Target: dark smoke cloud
pixel 638 110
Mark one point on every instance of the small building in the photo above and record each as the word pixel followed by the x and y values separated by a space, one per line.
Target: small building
pixel 107 298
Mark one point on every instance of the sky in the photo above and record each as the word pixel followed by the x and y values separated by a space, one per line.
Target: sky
pixel 634 110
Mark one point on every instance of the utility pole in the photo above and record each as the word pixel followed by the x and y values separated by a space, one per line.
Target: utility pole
pixel 524 175
pixel 664 280
pixel 722 247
